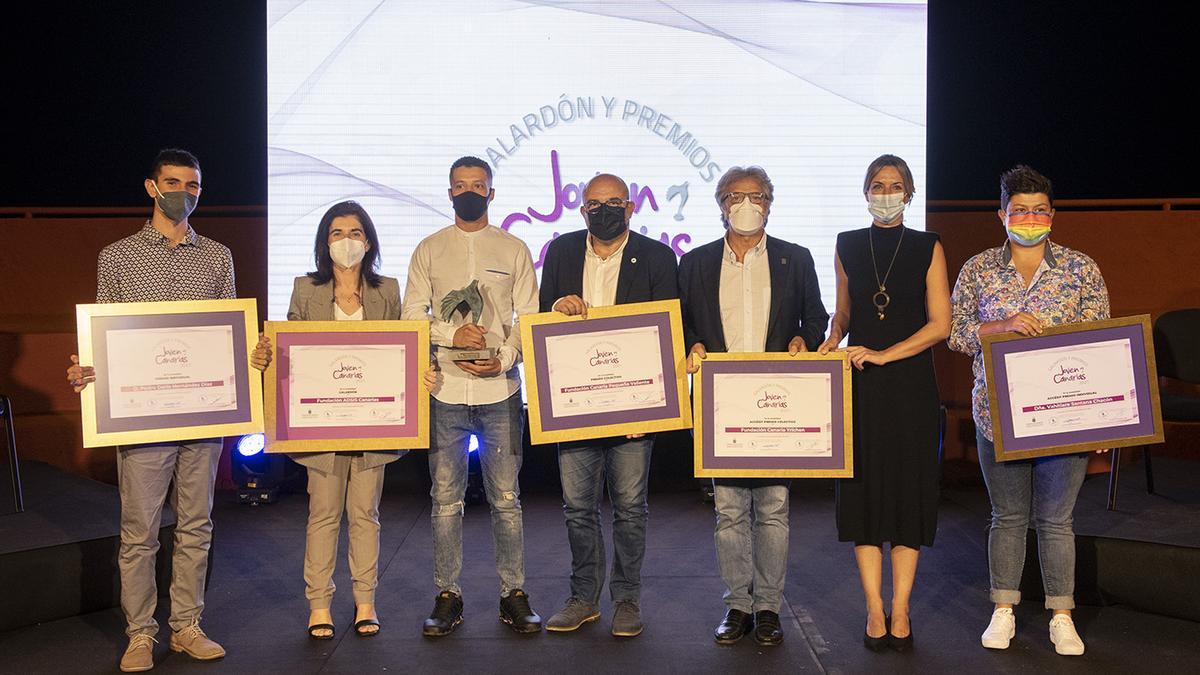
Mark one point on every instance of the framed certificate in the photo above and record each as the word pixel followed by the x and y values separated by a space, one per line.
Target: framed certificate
pixel 620 371
pixel 773 415
pixel 347 385
pixel 1074 388
pixel 169 371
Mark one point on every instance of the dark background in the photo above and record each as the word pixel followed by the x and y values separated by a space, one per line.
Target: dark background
pixel 1091 93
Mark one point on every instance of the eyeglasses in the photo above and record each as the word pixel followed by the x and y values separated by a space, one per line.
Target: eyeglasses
pixel 1022 211
pixel 615 202
pixel 738 197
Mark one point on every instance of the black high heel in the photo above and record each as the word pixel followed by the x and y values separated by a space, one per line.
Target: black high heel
pixel 901 644
pixel 878 644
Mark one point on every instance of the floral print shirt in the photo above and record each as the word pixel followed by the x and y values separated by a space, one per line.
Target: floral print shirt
pixel 1066 288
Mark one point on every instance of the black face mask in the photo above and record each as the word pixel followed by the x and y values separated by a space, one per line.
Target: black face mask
pixel 607 222
pixel 470 206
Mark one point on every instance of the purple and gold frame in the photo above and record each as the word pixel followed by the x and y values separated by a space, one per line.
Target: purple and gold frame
pixel 545 426
pixel 102 427
pixel 840 461
pixel 412 434
pixel 1148 429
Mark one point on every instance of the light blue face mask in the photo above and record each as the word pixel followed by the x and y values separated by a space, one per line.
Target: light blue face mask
pixel 176 206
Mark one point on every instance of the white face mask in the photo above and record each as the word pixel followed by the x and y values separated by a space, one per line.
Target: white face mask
pixel 347 252
pixel 746 218
pixel 886 208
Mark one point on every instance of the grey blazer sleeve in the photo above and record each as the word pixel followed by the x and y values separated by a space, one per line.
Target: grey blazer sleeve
pixel 390 287
pixel 302 289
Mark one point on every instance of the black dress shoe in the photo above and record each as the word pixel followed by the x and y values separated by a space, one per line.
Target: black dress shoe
pixel 767 630
pixel 901 644
pixel 878 644
pixel 446 615
pixel 515 611
pixel 733 627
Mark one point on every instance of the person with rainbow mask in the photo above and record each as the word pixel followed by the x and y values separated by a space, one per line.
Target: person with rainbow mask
pixel 1023 286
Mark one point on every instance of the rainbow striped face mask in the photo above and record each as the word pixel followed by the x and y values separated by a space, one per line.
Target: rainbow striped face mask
pixel 1028 229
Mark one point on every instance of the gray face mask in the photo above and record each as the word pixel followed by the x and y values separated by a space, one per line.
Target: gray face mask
pixel 176 205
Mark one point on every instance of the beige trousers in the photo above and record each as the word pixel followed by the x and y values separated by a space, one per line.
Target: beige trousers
pixel 144 474
pixel 354 489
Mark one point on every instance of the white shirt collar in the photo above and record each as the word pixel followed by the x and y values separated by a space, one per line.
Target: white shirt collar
pixel 591 252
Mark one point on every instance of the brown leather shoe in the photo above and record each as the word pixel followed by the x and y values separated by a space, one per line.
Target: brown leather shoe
pixel 193 642
pixel 139 655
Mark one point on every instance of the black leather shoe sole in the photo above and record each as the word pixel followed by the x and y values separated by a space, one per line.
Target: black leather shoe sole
pixel 439 631
pixel 727 633
pixel 523 628
pixel 769 640
pixel 729 638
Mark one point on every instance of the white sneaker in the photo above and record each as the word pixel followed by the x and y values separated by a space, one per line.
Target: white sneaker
pixel 1001 629
pixel 1062 634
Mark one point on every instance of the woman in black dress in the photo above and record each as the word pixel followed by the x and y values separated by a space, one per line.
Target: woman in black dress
pixel 893 300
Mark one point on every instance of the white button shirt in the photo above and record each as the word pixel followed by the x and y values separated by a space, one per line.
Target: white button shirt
pixel 745 296
pixel 449 260
pixel 600 275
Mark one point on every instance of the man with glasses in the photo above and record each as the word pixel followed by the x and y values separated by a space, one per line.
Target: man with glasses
pixel 747 292
pixel 605 264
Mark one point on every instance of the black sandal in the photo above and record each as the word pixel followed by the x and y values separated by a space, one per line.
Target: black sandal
pixel 359 625
pixel 321 626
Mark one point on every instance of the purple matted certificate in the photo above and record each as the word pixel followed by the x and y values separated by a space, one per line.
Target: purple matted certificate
pixel 773 415
pixel 347 385
pixel 169 371
pixel 605 371
pixel 620 371
pixel 1075 388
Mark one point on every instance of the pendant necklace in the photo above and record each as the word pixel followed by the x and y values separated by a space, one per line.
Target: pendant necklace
pixel 881 299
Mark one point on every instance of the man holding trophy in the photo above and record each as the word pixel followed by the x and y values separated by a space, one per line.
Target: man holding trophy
pixel 471 280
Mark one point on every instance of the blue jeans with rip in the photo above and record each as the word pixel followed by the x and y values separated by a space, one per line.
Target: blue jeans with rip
pixel 498 426
pixel 623 465
pixel 752 545
pixel 1043 490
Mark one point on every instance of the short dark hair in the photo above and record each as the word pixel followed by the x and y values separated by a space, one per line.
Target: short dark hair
pixel 173 157
pixel 471 160
pixel 370 261
pixel 1022 179
pixel 910 187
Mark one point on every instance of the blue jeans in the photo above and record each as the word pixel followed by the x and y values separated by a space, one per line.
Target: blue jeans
pixel 752 557
pixel 1045 490
pixel 499 427
pixel 585 468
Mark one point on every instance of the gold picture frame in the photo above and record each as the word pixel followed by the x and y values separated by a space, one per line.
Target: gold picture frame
pixel 101 429
pixel 545 428
pixel 843 459
pixel 1149 430
pixel 414 334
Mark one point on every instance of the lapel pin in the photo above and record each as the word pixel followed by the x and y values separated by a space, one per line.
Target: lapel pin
pixel 632 260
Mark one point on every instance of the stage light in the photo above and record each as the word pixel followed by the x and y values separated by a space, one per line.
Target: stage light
pixel 475 493
pixel 251 444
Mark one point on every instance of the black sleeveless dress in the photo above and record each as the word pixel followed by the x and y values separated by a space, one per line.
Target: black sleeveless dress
pixel 893 496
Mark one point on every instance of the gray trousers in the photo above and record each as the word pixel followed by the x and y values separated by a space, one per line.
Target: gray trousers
pixel 144 474
pixel 355 490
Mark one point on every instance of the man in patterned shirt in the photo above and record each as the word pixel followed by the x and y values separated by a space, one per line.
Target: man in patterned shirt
pixel 165 260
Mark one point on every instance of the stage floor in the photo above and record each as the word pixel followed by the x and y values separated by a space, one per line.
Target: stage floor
pixel 257 610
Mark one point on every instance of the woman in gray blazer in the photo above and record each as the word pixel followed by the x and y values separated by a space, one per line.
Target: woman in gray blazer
pixel 345 286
